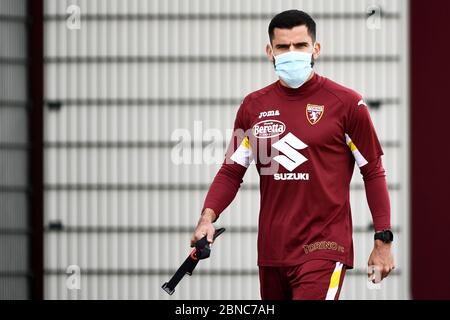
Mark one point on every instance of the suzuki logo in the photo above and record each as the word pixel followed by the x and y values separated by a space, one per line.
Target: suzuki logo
pixel 289 145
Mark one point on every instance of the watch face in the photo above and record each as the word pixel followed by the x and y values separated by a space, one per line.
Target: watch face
pixel 385 236
pixel 389 236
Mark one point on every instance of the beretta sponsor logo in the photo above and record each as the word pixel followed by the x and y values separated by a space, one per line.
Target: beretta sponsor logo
pixel 268 129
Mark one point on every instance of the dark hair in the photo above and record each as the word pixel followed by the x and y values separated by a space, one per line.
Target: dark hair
pixel 290 19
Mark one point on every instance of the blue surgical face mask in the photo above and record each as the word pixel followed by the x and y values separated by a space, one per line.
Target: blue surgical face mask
pixel 293 67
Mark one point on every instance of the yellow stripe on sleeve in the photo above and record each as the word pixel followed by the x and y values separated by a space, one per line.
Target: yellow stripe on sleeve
pixel 352 146
pixel 246 143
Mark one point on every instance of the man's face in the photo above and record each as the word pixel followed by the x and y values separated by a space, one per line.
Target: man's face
pixel 295 39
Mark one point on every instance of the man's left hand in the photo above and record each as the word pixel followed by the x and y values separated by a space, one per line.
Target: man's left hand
pixel 381 259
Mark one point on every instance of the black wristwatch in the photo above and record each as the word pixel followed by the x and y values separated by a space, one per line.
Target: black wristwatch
pixel 386 236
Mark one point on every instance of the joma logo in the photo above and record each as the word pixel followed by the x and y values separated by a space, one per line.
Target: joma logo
pixel 270 113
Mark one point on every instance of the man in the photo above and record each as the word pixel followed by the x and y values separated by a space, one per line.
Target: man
pixel 305 133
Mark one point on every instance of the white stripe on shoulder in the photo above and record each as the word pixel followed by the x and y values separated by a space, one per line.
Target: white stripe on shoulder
pixel 359 158
pixel 243 154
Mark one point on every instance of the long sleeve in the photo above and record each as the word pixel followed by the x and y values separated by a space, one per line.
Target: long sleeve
pixel 363 142
pixel 229 177
pixel 224 187
pixel 377 194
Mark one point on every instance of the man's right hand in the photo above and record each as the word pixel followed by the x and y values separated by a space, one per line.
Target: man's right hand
pixel 204 227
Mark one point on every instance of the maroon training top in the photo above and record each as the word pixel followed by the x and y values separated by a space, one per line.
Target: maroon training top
pixel 305 143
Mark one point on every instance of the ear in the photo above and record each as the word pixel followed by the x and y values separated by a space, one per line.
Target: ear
pixel 269 52
pixel 316 50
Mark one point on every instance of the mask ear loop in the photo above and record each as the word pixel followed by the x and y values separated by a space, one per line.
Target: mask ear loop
pixel 273 59
pixel 312 55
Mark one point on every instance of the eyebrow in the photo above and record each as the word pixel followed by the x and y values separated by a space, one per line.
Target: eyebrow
pixel 284 45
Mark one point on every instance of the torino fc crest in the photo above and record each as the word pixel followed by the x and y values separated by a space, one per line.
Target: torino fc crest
pixel 314 113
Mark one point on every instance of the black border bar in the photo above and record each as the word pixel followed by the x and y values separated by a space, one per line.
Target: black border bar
pixel 35 10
